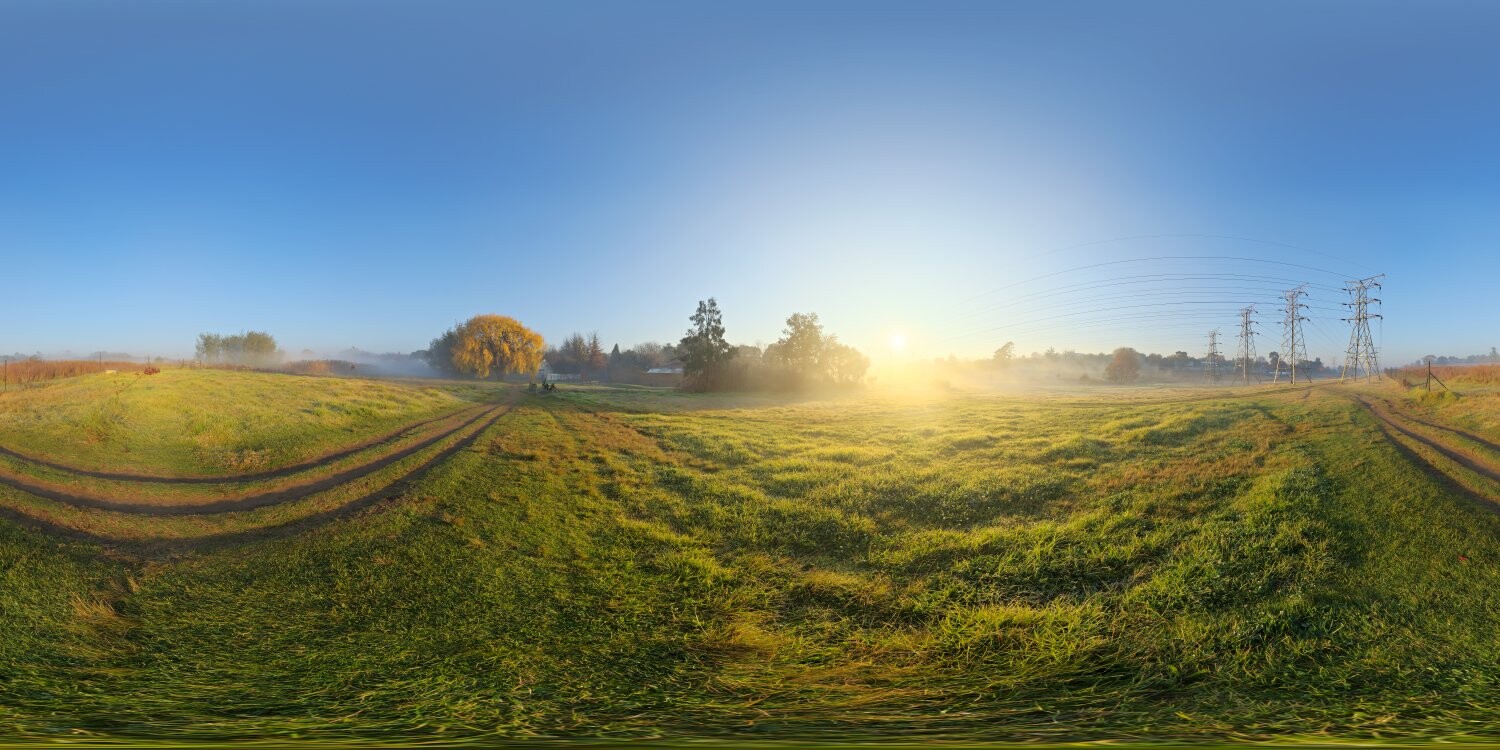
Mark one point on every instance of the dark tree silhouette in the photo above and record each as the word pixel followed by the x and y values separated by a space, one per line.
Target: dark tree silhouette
pixel 703 350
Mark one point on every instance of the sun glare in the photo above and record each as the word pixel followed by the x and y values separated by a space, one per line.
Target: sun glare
pixel 898 341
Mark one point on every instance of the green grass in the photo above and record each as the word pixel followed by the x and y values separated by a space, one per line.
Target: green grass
pixel 210 422
pixel 1474 406
pixel 612 563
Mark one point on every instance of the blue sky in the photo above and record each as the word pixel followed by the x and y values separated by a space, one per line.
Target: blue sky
pixel 366 174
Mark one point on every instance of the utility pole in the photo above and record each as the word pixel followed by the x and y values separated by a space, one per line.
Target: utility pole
pixel 1212 376
pixel 1246 355
pixel 1293 344
pixel 6 386
pixel 1361 353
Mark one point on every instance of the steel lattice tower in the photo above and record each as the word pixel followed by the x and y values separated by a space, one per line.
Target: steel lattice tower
pixel 1293 344
pixel 1212 376
pixel 1361 352
pixel 1246 357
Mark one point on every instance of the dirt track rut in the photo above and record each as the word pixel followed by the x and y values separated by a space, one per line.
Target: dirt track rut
pixel 1398 429
pixel 153 547
pixel 229 505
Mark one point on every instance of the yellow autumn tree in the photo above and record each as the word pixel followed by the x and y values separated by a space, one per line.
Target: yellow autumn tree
pixel 495 343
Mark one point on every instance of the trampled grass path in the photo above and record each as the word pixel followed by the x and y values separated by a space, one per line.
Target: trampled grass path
pixel 233 504
pixel 168 546
pixel 1397 428
pixel 1458 432
pixel 390 491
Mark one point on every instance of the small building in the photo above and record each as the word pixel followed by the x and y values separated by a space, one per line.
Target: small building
pixel 668 375
pixel 675 367
pixel 545 374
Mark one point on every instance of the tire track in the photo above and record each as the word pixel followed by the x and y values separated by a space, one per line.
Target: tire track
pixel 1447 451
pixel 229 505
pixel 159 547
pixel 284 471
pixel 1476 439
pixel 1394 431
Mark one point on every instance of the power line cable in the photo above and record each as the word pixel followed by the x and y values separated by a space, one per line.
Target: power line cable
pixel 1104 309
pixel 1109 263
pixel 1194 235
pixel 1142 279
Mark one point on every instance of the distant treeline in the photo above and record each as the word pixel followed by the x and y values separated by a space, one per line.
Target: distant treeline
pixel 253 349
pixel 1114 366
pixel 806 356
pixel 1492 358
pixel 70 356
pixel 586 358
pixel 495 346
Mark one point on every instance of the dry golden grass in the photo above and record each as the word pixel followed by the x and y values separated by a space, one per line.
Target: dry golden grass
pixel 26 372
pixel 1469 373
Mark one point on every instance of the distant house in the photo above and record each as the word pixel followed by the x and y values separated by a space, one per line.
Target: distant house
pixel 675 367
pixel 544 374
pixel 669 375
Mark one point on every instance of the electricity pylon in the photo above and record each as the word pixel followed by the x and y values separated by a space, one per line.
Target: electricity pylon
pixel 1246 357
pixel 1212 376
pixel 1293 344
pixel 1361 352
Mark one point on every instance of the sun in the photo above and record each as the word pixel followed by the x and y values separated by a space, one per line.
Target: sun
pixel 898 341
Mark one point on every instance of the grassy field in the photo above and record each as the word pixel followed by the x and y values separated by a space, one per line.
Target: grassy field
pixel 209 422
pixel 474 562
